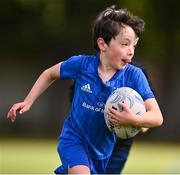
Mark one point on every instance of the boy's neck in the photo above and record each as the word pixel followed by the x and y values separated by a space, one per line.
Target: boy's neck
pixel 104 65
pixel 105 70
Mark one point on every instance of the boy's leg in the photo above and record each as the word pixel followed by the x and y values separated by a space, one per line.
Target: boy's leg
pixel 73 158
pixel 79 169
pixel 119 156
pixel 74 161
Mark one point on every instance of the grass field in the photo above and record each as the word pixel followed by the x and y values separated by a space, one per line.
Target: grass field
pixel 154 158
pixel 30 156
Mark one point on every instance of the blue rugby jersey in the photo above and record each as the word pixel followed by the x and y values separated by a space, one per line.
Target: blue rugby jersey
pixel 86 117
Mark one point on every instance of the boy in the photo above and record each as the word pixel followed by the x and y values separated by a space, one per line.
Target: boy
pixel 85 143
pixel 122 147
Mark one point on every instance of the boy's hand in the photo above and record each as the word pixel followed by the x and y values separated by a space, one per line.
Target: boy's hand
pixel 125 117
pixel 21 107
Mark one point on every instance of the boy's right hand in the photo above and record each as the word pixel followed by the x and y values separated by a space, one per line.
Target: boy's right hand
pixel 18 107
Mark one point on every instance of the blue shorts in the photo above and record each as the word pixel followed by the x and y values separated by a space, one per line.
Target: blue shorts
pixel 72 152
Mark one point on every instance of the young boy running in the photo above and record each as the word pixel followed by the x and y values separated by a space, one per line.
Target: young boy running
pixel 122 147
pixel 86 144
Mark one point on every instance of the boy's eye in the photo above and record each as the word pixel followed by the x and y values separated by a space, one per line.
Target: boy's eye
pixel 124 44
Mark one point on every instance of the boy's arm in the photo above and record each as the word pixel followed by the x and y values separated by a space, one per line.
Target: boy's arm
pixel 43 82
pixel 153 117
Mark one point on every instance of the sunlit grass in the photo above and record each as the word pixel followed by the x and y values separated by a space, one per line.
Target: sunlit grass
pixel 29 156
pixel 153 158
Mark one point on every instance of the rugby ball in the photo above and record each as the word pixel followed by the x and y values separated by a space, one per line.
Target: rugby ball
pixel 134 101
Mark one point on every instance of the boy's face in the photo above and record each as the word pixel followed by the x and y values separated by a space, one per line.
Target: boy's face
pixel 120 50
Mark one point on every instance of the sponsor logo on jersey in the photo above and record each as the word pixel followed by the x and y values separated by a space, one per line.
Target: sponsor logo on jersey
pixel 86 88
pixel 101 104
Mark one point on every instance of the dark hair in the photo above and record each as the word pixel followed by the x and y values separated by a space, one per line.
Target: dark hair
pixel 109 22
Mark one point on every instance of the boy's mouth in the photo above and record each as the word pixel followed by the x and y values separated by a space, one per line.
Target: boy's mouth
pixel 126 61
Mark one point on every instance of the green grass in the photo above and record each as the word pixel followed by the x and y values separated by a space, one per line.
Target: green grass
pixel 29 156
pixel 154 158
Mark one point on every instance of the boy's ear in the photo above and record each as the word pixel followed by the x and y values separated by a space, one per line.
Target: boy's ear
pixel 101 44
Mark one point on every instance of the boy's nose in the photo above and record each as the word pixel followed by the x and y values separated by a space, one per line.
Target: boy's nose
pixel 131 51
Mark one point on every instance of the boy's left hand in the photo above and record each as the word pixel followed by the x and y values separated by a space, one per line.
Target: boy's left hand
pixel 126 117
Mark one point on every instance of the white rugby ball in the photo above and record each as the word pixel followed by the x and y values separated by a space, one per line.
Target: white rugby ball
pixel 135 102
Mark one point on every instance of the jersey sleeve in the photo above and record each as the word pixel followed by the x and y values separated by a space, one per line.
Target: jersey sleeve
pixel 142 86
pixel 69 69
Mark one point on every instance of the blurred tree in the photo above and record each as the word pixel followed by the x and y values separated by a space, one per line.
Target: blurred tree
pixel 36 23
pixel 63 27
